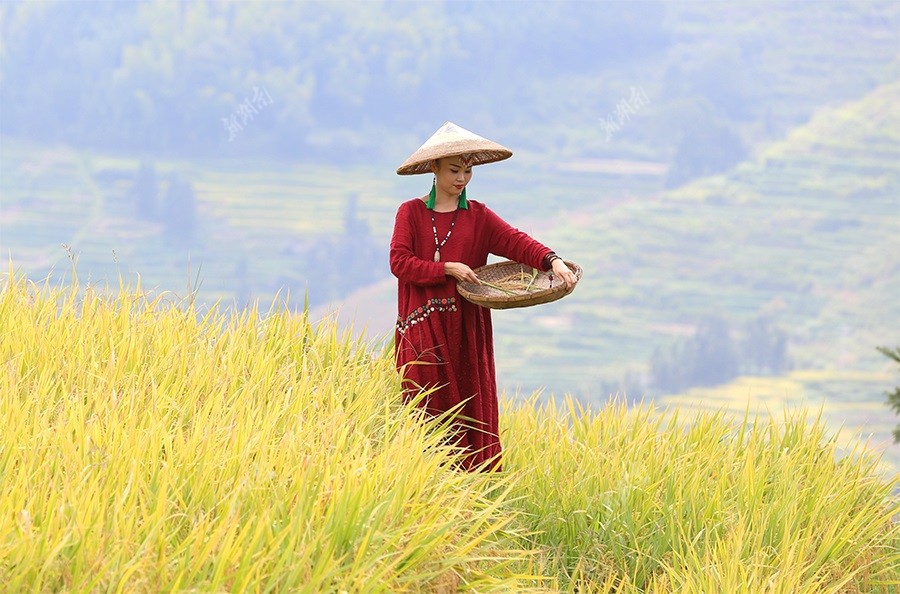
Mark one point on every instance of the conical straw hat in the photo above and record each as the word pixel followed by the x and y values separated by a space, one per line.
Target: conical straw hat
pixel 451 141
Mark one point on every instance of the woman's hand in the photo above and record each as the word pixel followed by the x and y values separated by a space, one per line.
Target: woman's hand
pixel 560 270
pixel 461 272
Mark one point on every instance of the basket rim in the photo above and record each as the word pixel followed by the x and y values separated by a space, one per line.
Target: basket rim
pixel 523 300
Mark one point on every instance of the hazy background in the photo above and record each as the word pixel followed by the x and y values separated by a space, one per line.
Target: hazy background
pixel 728 174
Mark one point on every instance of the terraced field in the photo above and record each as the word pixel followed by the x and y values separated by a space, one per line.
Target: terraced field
pixel 266 217
pixel 807 233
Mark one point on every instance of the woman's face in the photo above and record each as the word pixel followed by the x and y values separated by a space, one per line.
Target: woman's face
pixel 452 174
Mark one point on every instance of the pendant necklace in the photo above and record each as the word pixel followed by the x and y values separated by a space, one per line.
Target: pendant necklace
pixel 438 246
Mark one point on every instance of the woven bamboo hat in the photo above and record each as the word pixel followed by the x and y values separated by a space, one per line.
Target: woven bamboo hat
pixel 453 141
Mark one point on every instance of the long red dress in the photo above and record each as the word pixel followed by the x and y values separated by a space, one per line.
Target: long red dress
pixel 443 341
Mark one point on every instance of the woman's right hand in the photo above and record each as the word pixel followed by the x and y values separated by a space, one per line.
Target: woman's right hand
pixel 461 272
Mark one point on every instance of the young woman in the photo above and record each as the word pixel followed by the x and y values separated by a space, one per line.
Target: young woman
pixel 443 342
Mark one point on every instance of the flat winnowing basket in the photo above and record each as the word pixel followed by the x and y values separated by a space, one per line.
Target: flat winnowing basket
pixel 509 284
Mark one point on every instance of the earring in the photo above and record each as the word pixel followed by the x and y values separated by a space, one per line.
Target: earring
pixel 432 195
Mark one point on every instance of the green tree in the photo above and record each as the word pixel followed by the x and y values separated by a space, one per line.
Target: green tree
pixel 707 358
pixel 893 397
pixel 763 349
pixel 708 144
pixel 180 210
pixel 144 192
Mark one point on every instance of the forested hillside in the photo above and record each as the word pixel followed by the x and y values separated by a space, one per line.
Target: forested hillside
pixel 329 81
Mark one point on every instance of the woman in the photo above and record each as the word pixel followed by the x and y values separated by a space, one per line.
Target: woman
pixel 444 343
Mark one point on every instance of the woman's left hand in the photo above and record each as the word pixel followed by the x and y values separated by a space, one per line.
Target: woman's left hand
pixel 561 271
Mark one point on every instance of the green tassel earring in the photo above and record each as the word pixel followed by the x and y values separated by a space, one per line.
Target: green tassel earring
pixel 463 203
pixel 432 196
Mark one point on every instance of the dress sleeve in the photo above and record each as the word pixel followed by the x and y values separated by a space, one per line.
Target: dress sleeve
pixel 508 242
pixel 405 265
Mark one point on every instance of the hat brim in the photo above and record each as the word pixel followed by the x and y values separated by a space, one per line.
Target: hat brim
pixel 422 164
pixel 478 150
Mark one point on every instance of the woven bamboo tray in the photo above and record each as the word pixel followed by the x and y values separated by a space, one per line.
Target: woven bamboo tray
pixel 515 285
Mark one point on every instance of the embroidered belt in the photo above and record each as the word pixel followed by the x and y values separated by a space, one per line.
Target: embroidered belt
pixel 419 314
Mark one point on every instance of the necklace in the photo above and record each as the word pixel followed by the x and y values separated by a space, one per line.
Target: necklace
pixel 438 246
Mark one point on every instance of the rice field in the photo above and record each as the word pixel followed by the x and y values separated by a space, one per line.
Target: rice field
pixel 842 400
pixel 153 444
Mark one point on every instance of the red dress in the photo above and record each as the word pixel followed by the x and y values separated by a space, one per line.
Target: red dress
pixel 443 341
